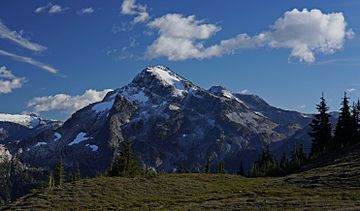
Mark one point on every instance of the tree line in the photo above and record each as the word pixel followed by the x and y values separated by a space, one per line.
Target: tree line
pixel 324 140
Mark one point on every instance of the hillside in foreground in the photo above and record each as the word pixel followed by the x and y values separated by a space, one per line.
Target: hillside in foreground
pixel 332 184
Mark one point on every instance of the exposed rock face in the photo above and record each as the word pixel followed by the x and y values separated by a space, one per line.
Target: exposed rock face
pixel 171 124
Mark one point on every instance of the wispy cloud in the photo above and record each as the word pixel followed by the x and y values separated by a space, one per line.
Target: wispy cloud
pixel 51 9
pixel 351 90
pixel 29 60
pixel 66 103
pixel 340 62
pixel 129 7
pixel 9 82
pixel 303 106
pixel 84 11
pixel 244 91
pixel 6 33
pixel 306 33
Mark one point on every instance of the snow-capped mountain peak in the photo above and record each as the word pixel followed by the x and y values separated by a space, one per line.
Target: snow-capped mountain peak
pixel 30 121
pixel 221 91
pixel 162 81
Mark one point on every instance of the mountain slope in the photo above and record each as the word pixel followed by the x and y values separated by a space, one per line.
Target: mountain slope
pixel 328 184
pixel 171 124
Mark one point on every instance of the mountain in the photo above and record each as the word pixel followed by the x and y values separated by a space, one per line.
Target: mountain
pixel 171 123
pixel 16 177
pixel 17 127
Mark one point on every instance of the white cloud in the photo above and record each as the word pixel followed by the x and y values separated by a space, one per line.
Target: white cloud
pixel 6 33
pixel 244 91
pixel 29 60
pixel 84 11
pixel 351 90
pixel 51 9
pixel 179 37
pixel 141 17
pixel 66 103
pixel 306 33
pixel 8 81
pixel 129 7
pixel 43 8
pixel 302 106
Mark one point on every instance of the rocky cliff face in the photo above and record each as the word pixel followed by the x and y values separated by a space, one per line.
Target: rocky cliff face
pixel 171 124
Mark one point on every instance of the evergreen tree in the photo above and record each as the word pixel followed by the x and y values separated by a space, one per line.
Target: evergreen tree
pixel 77 174
pixel 265 165
pixel 207 166
pixel 302 155
pixel 355 115
pixel 125 165
pixel 50 180
pixel 344 128
pixel 295 160
pixel 221 169
pixel 321 130
pixel 284 163
pixel 59 176
pixel 241 171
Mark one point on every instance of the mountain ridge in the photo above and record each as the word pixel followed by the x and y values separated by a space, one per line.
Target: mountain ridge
pixel 170 122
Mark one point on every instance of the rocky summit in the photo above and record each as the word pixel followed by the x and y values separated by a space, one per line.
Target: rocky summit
pixel 171 123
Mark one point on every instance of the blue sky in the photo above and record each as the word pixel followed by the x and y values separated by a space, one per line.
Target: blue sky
pixel 74 46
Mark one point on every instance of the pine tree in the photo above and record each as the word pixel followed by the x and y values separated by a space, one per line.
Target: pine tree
pixel 344 128
pixel 284 163
pixel 77 174
pixel 221 169
pixel 265 165
pixel 355 115
pixel 207 166
pixel 125 165
pixel 50 180
pixel 321 130
pixel 295 160
pixel 59 176
pixel 241 171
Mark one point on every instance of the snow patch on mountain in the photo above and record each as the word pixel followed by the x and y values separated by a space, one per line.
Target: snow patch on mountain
pixel 168 78
pixel 79 138
pixel 223 92
pixel 93 147
pixel 135 95
pixel 57 136
pixel 30 121
pixel 40 143
pixel 174 107
pixel 103 106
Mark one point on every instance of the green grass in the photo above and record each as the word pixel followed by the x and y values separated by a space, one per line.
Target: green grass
pixel 330 185
pixel 188 192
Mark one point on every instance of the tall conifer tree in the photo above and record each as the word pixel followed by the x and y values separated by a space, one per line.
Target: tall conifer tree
pixel 344 128
pixel 321 129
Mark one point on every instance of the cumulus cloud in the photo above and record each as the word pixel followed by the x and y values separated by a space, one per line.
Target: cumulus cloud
pixel 179 37
pixel 8 81
pixel 129 7
pixel 29 60
pixel 306 33
pixel 84 11
pixel 6 33
pixel 51 9
pixel 66 103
